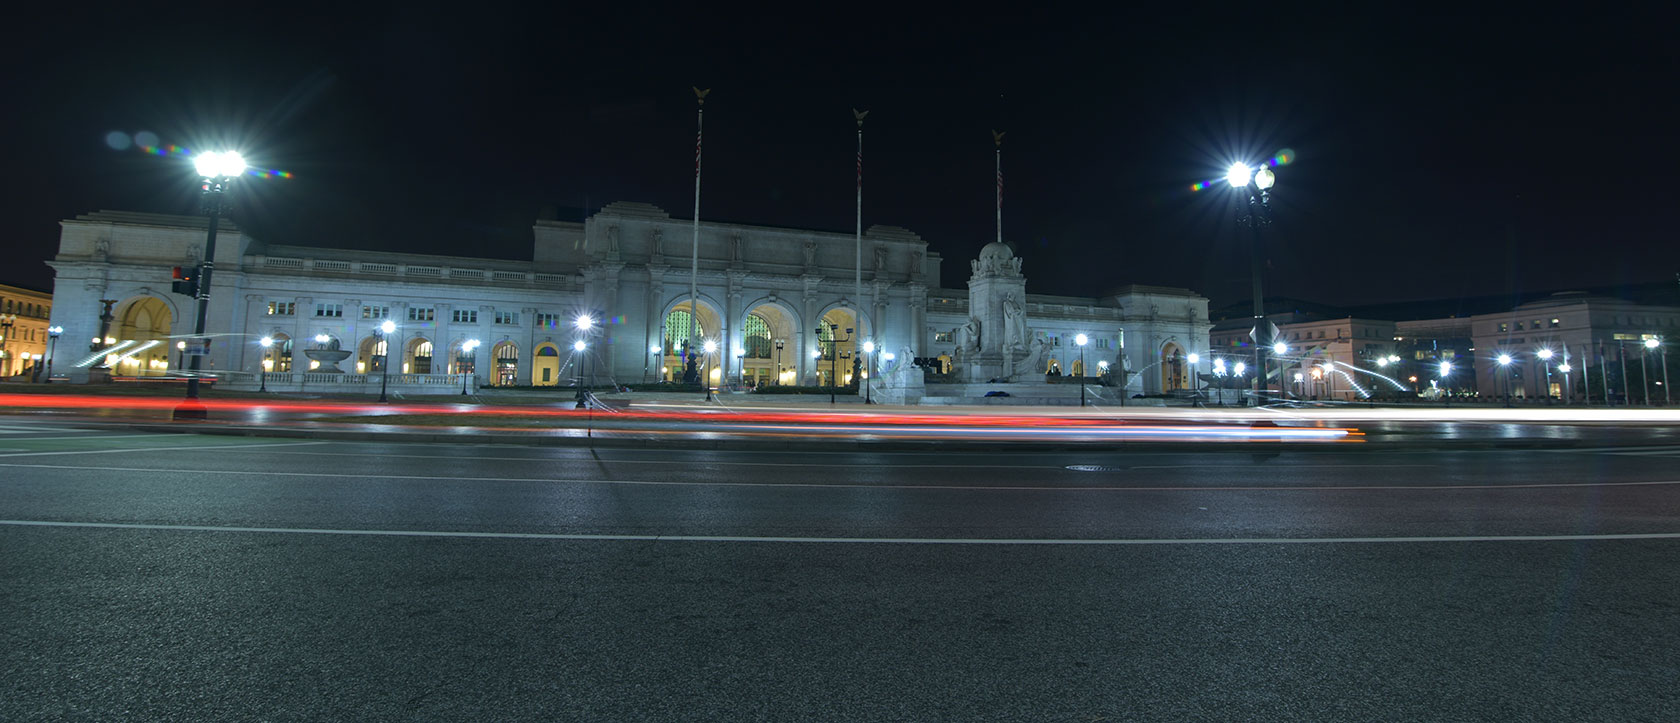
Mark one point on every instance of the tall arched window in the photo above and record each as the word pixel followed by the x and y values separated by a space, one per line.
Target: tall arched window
pixel 758 337
pixel 676 331
pixel 825 339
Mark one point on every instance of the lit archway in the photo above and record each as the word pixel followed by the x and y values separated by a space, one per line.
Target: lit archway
pixel 278 358
pixel 144 323
pixel 838 338
pixel 545 366
pixel 680 328
pixel 369 354
pixel 1173 367
pixel 769 331
pixel 417 358
pixel 506 373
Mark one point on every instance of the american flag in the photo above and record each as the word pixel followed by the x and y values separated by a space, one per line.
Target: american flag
pixel 860 169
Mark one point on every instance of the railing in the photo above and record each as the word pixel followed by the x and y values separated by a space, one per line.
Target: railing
pixel 297 381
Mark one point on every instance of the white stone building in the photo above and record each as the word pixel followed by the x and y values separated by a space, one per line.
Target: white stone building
pixel 775 302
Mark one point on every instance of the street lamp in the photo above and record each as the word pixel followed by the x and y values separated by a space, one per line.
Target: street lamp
pixel 52 348
pixel 1544 355
pixel 869 371
pixel 579 347
pixel 267 343
pixel 779 343
pixel 382 340
pixel 1644 369
pixel 1505 361
pixel 1653 343
pixel 1258 216
pixel 1194 360
pixel 217 170
pixel 653 353
pixel 706 376
pixel 468 362
pixel 7 321
pixel 1446 368
pixel 833 359
pixel 1081 340
pixel 181 346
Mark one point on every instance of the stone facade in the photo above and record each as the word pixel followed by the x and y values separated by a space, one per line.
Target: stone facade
pixel 24 343
pixel 768 297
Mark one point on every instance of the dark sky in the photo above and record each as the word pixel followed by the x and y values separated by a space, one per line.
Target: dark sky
pixel 1437 155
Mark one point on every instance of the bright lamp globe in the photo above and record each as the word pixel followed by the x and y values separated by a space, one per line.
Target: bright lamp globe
pixel 1544 353
pixel 233 164
pixel 869 347
pixel 710 346
pixel 1504 359
pixel 388 327
pixel 1265 178
pixel 1194 358
pixel 579 345
pixel 208 163
pixel 1280 348
pixel 1081 339
pixel 1239 175
pixel 1652 343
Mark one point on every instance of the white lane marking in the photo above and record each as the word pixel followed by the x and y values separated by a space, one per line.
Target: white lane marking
pixel 209 448
pixel 26 430
pixel 854 540
pixel 837 485
pixel 90 435
pixel 1642 450
pixel 582 457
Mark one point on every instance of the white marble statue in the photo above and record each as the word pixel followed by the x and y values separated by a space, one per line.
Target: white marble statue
pixel 1014 324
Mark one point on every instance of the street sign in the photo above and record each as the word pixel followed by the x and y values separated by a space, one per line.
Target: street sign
pixel 1271 332
pixel 197 347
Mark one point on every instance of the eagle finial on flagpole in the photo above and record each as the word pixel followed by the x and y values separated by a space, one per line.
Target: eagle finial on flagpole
pixel 701 95
pixel 859 115
pixel 997 138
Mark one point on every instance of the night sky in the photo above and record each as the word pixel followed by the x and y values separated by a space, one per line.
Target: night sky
pixel 1436 156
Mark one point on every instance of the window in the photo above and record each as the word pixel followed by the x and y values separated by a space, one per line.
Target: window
pixel 758 337
pixel 507 317
pixel 1504 326
pixel 1519 326
pixel 1555 323
pixel 676 331
pixel 281 308
pixel 1536 325
pixel 376 312
pixel 464 316
pixel 548 321
pixel 420 313
pixel 941 336
pixel 334 311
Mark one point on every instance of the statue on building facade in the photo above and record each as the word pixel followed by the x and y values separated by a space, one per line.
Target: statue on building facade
pixel 658 243
pixel 735 243
pixel 968 336
pixel 810 254
pixel 880 259
pixel 1014 324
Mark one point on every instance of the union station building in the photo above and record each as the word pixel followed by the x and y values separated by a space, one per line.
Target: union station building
pixel 779 305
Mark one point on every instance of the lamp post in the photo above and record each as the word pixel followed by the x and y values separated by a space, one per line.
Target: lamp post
pixel 217 170
pixel 468 362
pixel 267 343
pixel 706 376
pixel 7 321
pixel 1446 368
pixel 1081 340
pixel 1567 392
pixel 1194 360
pixel 1668 397
pixel 52 348
pixel 1644 369
pixel 580 349
pixel 653 353
pixel 833 360
pixel 181 348
pixel 1278 350
pixel 383 335
pixel 1544 355
pixel 1504 362
pixel 869 371
pixel 1258 215
pixel 779 343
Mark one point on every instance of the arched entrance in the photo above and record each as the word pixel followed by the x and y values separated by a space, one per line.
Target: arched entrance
pixel 278 356
pixel 838 339
pixel 418 357
pixel 370 355
pixel 545 366
pixel 144 323
pixel 771 355
pixel 507 364
pixel 1173 368
pixel 680 329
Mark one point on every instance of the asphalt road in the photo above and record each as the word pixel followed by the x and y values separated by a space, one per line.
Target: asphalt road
pixel 235 578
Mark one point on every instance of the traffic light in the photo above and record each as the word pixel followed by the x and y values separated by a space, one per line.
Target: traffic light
pixel 186 281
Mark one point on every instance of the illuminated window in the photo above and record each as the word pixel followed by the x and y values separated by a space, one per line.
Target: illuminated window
pixel 548 321
pixel 331 311
pixel 421 313
pixel 677 329
pixel 464 316
pixel 281 308
pixel 376 312
pixel 758 337
pixel 507 317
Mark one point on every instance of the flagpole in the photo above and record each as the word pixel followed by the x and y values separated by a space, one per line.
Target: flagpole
pixel 857 279
pixel 694 261
pixel 997 138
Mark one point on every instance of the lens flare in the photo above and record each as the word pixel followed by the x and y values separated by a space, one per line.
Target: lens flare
pixel 1283 157
pixel 170 150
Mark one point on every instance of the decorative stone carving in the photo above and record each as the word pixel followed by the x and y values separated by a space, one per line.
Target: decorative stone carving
pixel 810 253
pixel 968 336
pixel 1014 324
pixel 659 243
pixel 880 259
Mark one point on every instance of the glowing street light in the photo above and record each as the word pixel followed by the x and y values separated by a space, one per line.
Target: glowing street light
pixel 267 343
pixel 1257 216
pixel 216 171
pixel 710 347
pixel 53 333
pixel 382 341
pixel 1239 175
pixel 1280 348
pixel 1504 360
pixel 467 362
pixel 1644 370
pixel 869 370
pixel 1081 340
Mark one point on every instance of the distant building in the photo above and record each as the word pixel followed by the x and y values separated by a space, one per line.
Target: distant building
pixel 23 331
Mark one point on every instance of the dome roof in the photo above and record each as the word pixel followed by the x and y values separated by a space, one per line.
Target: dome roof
pixel 996 250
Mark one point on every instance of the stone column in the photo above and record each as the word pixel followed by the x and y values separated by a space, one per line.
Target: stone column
pixel 302 313
pixel 918 319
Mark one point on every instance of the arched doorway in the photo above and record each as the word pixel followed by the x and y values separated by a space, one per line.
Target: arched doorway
pixel 771 355
pixel 370 355
pixel 507 364
pixel 144 323
pixel 418 357
pixel 1173 368
pixel 681 328
pixel 545 366
pixel 838 339
pixel 278 356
